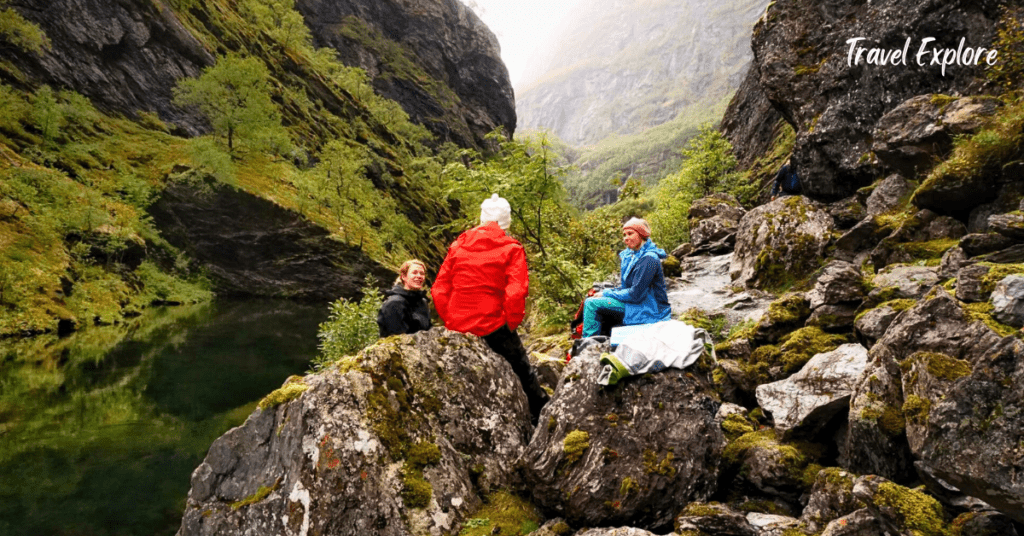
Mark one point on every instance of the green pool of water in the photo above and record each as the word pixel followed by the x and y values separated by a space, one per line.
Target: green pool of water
pixel 100 431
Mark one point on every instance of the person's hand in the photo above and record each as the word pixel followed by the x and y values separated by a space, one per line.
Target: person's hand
pixel 599 294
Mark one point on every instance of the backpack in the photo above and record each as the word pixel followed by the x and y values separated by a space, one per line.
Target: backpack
pixel 791 183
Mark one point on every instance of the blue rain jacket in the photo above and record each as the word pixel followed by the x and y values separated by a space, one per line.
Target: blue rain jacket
pixel 643 289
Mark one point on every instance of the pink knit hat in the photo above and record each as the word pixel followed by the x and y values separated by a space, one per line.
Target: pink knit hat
pixel 640 226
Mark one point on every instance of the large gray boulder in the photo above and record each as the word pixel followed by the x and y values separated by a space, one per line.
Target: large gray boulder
pixel 397 441
pixel 878 422
pixel 965 420
pixel 840 282
pixel 1008 301
pixel 780 241
pixel 819 391
pixel 713 235
pixel 915 135
pixel 888 195
pixel 628 454
pixel 905 281
pixel 831 498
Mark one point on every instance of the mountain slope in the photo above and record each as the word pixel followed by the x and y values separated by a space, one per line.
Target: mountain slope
pixel 626 66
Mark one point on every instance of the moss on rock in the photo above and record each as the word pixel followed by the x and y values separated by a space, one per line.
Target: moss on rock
pixel 982 312
pixel 288 392
pixel 574 444
pixel 920 513
pixel 736 425
pixel 916 409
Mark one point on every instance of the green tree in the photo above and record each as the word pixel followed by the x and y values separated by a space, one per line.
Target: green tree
pixel 708 161
pixel 234 95
pixel 21 33
pixel 280 20
pixel 47 113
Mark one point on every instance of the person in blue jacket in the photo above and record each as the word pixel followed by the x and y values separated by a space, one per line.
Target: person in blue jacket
pixel 641 298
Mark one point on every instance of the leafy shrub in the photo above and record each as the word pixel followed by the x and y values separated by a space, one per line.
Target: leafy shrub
pixel 351 326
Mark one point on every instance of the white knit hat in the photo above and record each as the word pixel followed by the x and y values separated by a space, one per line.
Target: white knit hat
pixel 496 209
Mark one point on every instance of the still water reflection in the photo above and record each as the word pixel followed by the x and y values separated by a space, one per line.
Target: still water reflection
pixel 100 431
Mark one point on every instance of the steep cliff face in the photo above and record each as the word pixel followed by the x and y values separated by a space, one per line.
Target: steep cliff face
pixel 437 60
pixel 631 65
pixel 123 56
pixel 469 93
pixel 804 67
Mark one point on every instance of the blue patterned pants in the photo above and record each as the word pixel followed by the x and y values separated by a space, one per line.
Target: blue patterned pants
pixel 598 307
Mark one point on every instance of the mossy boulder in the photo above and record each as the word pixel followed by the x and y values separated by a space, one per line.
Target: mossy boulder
pixel 900 282
pixel 780 242
pixel 784 315
pixel 716 204
pixel 901 510
pixel 772 362
pixel 657 430
pixel 971 426
pixel 401 439
pixel 878 424
pixel 831 498
pixel 763 464
pixel 713 518
pixel 870 325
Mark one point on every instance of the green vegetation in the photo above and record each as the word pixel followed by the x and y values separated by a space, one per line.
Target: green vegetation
pixel 982 312
pixel 416 491
pixel 736 425
pixel 292 389
pixel 260 494
pixel 920 513
pixel 234 95
pixel 574 444
pixel 506 513
pixel 14 29
pixel 890 420
pixel 1008 71
pixel 647 157
pixel 708 166
pixel 350 327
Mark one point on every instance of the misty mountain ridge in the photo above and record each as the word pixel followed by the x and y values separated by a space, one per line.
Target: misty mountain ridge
pixel 623 67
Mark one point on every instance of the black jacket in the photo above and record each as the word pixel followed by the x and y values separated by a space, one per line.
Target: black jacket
pixel 403 311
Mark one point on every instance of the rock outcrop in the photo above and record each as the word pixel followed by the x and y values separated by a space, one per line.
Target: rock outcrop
pixel 394 441
pixel 629 454
pixel 781 241
pixel 253 247
pixel 127 56
pixel 803 67
pixel 467 93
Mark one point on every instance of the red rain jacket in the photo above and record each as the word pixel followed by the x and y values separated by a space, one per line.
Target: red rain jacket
pixel 483 282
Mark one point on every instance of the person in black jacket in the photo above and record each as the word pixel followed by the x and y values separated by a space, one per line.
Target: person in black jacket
pixel 405 308
pixel 787 182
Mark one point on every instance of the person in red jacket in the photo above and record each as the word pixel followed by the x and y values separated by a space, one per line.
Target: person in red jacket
pixel 481 289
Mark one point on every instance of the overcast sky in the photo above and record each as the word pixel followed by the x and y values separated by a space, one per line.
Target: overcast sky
pixel 521 26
